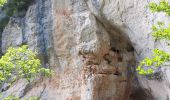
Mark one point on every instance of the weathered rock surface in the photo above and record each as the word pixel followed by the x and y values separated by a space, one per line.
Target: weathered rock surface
pixel 92 45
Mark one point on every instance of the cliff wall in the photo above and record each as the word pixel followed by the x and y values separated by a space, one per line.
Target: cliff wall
pixel 92 45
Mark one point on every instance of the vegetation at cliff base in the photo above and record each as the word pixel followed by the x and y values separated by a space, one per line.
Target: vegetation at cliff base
pixel 19 63
pixel 11 97
pixel 2 2
pixel 149 65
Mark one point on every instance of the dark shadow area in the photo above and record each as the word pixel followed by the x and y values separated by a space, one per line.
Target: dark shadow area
pixel 44 30
pixel 121 43
pixel 141 94
pixel 13 8
pixel 16 7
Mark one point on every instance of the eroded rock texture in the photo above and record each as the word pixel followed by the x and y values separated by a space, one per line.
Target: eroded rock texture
pixel 92 45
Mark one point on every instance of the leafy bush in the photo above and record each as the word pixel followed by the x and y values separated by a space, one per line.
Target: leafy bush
pixel 163 6
pixel 11 97
pixel 149 65
pixel 20 63
pixel 161 32
pixel 159 57
pixel 2 2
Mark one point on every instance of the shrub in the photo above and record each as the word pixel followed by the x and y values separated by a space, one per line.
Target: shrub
pixel 159 57
pixel 20 62
pixel 2 2
pixel 149 65
pixel 163 6
pixel 160 31
pixel 11 97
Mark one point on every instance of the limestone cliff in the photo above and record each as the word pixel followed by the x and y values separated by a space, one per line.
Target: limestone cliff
pixel 92 45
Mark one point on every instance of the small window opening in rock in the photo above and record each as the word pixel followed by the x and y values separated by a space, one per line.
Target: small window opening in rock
pixel 106 57
pixel 120 59
pixel 130 49
pixel 115 50
pixel 117 73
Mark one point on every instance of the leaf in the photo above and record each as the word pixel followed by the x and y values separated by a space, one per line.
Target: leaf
pixel 22 62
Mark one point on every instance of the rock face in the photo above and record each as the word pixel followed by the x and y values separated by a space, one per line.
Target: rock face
pixel 92 45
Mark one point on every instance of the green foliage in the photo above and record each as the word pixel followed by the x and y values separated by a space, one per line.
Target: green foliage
pixel 20 63
pixel 160 31
pixel 15 6
pixel 149 65
pixel 2 2
pixel 163 6
pixel 33 98
pixel 159 57
pixel 11 97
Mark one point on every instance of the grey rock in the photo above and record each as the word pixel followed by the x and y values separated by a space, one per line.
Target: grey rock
pixel 93 46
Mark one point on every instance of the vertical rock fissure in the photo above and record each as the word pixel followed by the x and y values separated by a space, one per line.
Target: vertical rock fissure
pixel 44 29
pixel 41 39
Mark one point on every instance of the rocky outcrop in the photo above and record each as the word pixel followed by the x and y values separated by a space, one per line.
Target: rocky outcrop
pixel 92 45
